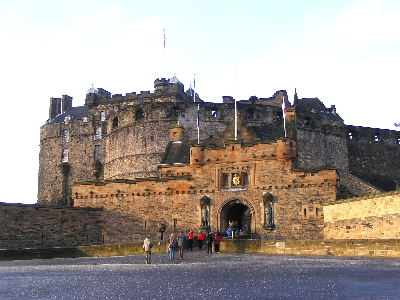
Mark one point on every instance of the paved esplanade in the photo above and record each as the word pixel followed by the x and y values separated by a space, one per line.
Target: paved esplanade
pixel 202 276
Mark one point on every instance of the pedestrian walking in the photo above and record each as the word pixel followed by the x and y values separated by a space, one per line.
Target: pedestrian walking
pixel 181 243
pixel 148 245
pixel 217 242
pixel 210 239
pixel 200 239
pixel 190 237
pixel 172 245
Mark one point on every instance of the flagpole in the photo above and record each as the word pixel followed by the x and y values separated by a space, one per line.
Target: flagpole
pixel 284 114
pixel 198 125
pixel 198 109
pixel 235 104
pixel 164 57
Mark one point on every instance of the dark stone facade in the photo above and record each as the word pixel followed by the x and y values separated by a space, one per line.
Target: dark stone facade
pixel 135 128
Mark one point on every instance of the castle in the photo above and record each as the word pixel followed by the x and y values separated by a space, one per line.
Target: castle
pixel 162 161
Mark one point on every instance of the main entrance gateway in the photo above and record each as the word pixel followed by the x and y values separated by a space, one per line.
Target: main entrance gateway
pixel 238 213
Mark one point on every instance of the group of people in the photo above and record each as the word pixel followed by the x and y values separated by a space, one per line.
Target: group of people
pixel 178 242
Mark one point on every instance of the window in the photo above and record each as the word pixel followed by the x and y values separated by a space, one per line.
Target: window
pixel 317 212
pixel 97 152
pixel 225 180
pixel 175 224
pixel 176 112
pixel 67 119
pixel 115 122
pixel 214 113
pixel 139 115
pixel 245 179
pixel 250 114
pixel 397 141
pixel 66 136
pixel 65 154
pixel 305 212
pixel 84 120
pixel 98 134
pixel 102 116
pixel 377 138
pixel 352 135
pixel 235 180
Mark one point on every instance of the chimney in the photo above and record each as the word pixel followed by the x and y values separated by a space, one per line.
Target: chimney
pixel 55 107
pixel 66 103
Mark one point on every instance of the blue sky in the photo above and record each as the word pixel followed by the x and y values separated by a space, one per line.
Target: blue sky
pixel 345 53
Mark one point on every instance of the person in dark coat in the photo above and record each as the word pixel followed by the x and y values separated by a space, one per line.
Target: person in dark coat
pixel 210 239
pixel 182 240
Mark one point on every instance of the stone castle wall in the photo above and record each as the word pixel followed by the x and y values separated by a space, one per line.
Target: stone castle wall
pixel 33 226
pixel 373 217
pixel 374 155
pixel 133 209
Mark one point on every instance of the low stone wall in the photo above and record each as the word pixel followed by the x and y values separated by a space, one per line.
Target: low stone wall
pixel 371 248
pixel 33 226
pixel 82 251
pixel 370 217
pixel 379 248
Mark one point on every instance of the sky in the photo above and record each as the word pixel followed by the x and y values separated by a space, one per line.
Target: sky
pixel 345 52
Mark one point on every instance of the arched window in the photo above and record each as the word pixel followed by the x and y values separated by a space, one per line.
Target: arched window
pixel 115 122
pixel 139 115
pixel 214 113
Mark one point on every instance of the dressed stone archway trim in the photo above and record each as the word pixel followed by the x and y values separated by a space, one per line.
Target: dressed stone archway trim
pixel 236 200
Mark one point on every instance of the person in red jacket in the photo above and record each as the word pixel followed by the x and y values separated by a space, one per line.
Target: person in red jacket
pixel 217 242
pixel 200 239
pixel 190 237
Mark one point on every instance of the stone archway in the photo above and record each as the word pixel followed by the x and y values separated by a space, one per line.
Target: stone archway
pixel 239 211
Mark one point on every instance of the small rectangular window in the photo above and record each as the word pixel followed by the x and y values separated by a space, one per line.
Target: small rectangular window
pixel 102 116
pixel 67 119
pixel 245 179
pixel 66 136
pixel 97 152
pixel 84 120
pixel 317 212
pixel 305 212
pixel 98 134
pixel 65 155
pixel 175 224
pixel 225 180
pixel 376 138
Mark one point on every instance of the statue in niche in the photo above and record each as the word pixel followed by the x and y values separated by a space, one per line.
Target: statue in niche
pixel 205 216
pixel 268 214
pixel 268 211
pixel 205 212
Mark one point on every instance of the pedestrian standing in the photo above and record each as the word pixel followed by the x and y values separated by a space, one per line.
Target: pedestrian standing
pixel 190 237
pixel 172 245
pixel 210 239
pixel 217 242
pixel 148 245
pixel 181 243
pixel 200 239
